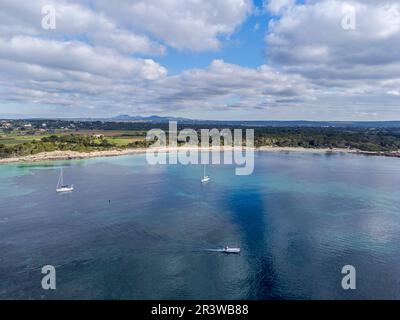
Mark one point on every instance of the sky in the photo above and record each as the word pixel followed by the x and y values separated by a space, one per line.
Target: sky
pixel 201 59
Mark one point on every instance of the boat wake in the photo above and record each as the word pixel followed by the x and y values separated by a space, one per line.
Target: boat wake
pixel 214 250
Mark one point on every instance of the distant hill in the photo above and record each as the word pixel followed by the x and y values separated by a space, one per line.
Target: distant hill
pixel 300 123
pixel 321 124
pixel 154 118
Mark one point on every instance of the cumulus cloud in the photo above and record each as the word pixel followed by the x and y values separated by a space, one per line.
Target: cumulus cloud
pixel 84 56
pixel 87 60
pixel 75 56
pixel 74 20
pixel 224 85
pixel 183 24
pixel 278 6
pixel 309 40
pixel 103 57
pixel 220 86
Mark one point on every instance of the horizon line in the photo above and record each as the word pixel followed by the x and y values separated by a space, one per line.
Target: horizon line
pixel 113 119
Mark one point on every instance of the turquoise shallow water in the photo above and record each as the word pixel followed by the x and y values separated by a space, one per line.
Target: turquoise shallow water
pixel 298 220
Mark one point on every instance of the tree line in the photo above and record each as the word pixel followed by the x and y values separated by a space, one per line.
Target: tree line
pixel 376 140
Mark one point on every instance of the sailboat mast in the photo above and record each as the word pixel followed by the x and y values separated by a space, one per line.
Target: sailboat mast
pixel 60 179
pixel 61 187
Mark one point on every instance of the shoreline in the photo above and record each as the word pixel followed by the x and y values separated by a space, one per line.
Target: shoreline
pixel 74 155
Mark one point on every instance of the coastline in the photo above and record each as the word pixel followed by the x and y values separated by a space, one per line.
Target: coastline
pixel 71 155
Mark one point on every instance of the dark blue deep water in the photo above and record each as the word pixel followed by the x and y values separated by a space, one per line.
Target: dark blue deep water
pixel 298 220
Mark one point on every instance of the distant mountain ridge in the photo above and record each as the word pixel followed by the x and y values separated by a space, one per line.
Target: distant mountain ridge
pixel 257 123
pixel 153 118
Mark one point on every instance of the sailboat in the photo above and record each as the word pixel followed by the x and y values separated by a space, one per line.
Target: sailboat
pixel 61 187
pixel 206 178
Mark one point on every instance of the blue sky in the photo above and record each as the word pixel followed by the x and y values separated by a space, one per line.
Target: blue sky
pixel 245 47
pixel 225 59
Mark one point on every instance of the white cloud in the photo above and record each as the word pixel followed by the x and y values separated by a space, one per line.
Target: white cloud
pixel 103 57
pixel 76 56
pixel 183 24
pixel 224 85
pixel 278 6
pixel 74 20
pixel 394 93
pixel 221 86
pixel 87 61
pixel 309 40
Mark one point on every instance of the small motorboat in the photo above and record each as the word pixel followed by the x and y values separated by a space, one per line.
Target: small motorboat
pixel 231 250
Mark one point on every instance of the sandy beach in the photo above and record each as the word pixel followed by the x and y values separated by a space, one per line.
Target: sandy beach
pixel 70 155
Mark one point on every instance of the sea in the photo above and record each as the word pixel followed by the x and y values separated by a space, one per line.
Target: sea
pixel 131 230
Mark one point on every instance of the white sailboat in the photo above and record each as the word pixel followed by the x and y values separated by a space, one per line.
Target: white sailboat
pixel 206 178
pixel 61 187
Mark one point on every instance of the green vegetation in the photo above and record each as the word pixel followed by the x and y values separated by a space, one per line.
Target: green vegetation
pixel 71 142
pixel 86 136
pixel 14 139
pixel 376 140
